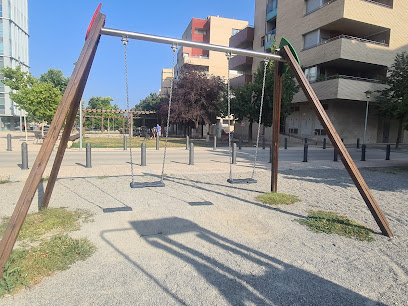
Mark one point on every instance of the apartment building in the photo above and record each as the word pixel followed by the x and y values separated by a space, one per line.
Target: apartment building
pixel 13 53
pixel 346 48
pixel 166 77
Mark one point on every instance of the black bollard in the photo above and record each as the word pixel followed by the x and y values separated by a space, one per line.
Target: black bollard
pixel 335 157
pixel 286 143
pixel 24 156
pixel 305 140
pixel 124 143
pixel 388 152
pixel 240 143
pixel 363 152
pixel 191 155
pixel 324 143
pixel 263 143
pixel 187 142
pixel 270 154
pixel 157 142
pixel 215 143
pixel 88 155
pixel 305 149
pixel 8 142
pixel 234 153
pixel 358 143
pixel 143 155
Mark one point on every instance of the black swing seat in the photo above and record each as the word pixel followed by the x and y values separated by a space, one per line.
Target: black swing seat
pixel 147 184
pixel 242 181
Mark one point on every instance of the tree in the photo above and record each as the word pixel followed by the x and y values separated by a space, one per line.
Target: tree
pixel 150 103
pixel 40 100
pixel 246 99
pixel 100 103
pixel 393 101
pixel 196 98
pixel 55 77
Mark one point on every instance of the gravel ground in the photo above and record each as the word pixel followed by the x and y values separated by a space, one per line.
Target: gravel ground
pixel 201 241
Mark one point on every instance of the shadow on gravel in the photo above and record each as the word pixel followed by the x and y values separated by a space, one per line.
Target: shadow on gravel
pixel 239 274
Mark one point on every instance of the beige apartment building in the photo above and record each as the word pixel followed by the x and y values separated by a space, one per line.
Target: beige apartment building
pixel 166 77
pixel 345 47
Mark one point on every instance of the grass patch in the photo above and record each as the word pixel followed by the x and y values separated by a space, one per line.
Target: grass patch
pixel 45 179
pixel 274 198
pixel 332 223
pixel 5 181
pixel 27 267
pixel 102 177
pixel 48 221
pixel 392 170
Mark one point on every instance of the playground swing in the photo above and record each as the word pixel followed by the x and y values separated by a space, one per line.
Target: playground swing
pixel 250 180
pixel 159 183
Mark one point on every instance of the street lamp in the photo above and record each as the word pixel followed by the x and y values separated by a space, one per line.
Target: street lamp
pixel 368 95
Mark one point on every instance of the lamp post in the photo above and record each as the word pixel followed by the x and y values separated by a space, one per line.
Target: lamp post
pixel 368 95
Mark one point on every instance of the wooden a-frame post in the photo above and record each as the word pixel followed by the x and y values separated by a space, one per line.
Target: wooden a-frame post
pixel 331 133
pixel 69 104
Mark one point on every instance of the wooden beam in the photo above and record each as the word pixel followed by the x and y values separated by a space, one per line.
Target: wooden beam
pixel 337 143
pixel 37 170
pixel 277 98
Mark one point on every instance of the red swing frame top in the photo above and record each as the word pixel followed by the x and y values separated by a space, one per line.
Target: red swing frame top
pixel 98 9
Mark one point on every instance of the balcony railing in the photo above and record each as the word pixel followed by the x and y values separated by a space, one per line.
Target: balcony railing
pixel 363 40
pixel 270 39
pixel 271 10
pixel 347 77
pixel 318 8
pixel 380 3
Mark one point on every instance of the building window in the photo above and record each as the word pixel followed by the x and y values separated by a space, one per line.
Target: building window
pixel 200 31
pixel 293 131
pixel 185 54
pixel 311 39
pixel 311 73
pixel 234 31
pixel 320 132
pixel 263 41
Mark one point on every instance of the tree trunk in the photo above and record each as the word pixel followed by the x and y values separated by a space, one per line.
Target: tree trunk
pixel 250 132
pixel 399 134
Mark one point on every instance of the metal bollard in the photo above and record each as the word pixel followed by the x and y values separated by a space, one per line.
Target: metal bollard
pixel 207 138
pixel 187 142
pixel 363 152
pixel 143 155
pixel 305 148
pixel 388 152
pixel 191 155
pixel 157 142
pixel 234 153
pixel 263 143
pixel 88 155
pixel 215 143
pixel 124 143
pixel 9 142
pixel 305 140
pixel 324 143
pixel 240 143
pixel 335 157
pixel 24 156
pixel 270 154
pixel 286 143
pixel 358 143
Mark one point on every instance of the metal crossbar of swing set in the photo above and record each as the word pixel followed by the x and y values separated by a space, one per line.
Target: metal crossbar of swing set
pixel 186 43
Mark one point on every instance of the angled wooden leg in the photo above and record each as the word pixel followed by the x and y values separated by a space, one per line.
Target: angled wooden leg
pixel 337 143
pixel 37 170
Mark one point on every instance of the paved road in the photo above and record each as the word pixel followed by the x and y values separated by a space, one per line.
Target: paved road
pixel 180 155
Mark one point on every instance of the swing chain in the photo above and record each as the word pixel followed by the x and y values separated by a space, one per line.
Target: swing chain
pixel 266 62
pixel 229 55
pixel 174 48
pixel 125 41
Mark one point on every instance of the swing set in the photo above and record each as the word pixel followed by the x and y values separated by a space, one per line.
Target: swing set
pixel 70 102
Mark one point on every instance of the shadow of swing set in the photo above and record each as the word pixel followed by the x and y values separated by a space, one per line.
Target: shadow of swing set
pixel 70 102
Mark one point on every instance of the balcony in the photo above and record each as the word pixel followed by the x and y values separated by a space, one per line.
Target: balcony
pixel 343 88
pixel 271 10
pixel 310 7
pixel 241 80
pixel 270 39
pixel 243 39
pixel 385 3
pixel 241 63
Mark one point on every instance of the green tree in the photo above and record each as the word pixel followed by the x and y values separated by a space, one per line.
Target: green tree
pixel 102 103
pixel 17 79
pixel 150 103
pixel 393 101
pixel 55 77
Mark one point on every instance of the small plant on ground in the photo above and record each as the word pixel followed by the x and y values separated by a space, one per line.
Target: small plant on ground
pixel 102 177
pixel 4 180
pixel 45 179
pixel 274 198
pixel 332 223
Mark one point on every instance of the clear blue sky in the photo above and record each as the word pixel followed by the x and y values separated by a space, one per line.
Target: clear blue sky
pixel 57 31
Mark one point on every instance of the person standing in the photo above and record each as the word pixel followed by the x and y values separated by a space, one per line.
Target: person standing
pixel 158 129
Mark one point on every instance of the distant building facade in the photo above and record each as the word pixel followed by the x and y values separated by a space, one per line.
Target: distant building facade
pixel 13 53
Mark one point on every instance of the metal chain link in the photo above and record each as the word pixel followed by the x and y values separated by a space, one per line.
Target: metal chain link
pixel 174 48
pixel 125 41
pixel 266 61
pixel 229 116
